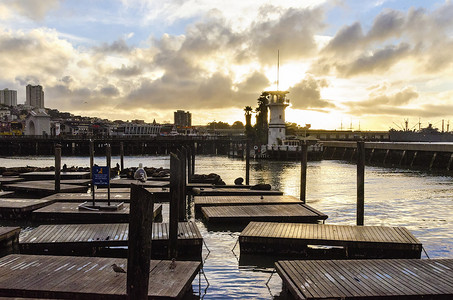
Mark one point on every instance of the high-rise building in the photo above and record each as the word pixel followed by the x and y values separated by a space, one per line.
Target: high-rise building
pixel 35 96
pixel 183 118
pixel 8 97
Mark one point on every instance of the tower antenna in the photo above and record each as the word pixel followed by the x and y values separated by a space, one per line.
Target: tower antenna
pixel 278 67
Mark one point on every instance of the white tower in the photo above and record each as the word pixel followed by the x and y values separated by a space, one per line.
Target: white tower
pixel 277 104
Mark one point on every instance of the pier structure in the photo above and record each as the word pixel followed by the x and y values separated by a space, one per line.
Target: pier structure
pixel 426 156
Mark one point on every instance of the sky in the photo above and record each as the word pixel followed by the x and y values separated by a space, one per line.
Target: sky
pixel 367 65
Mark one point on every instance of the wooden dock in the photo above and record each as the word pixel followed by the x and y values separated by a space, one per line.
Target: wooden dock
pixel 43 187
pixel 9 240
pixel 96 240
pixel 126 183
pixel 69 213
pixel 6 194
pixel 213 191
pixel 50 175
pixel 291 239
pixel 10 179
pixel 88 278
pixel 17 208
pixel 82 197
pixel 205 201
pixel 243 214
pixel 368 279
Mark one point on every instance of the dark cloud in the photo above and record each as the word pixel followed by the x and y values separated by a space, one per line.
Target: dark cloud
pixel 346 40
pixel 307 94
pixel 128 71
pixel 119 46
pixel 388 24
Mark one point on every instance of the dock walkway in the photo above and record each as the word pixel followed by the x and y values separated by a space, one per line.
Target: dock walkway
pixel 88 277
pixel 65 212
pixel 362 279
pixel 17 208
pixel 93 239
pixel 205 201
pixel 50 175
pixel 355 241
pixel 43 187
pixel 235 192
pixel 243 214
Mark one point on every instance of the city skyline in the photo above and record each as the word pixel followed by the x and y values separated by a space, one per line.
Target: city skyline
pixel 373 63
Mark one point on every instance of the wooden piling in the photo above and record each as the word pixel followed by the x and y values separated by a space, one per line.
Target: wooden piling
pixel 247 162
pixel 57 167
pixel 122 155
pixel 303 172
pixel 182 155
pixel 139 244
pixel 360 182
pixel 91 159
pixel 175 178
pixel 193 158
pixel 108 152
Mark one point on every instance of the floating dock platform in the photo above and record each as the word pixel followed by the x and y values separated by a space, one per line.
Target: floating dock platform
pixel 368 279
pixel 72 277
pixel 17 208
pixel 243 214
pixel 96 240
pixel 212 191
pixel 43 187
pixel 9 240
pixel 126 183
pixel 206 201
pixel 50 175
pixel 69 213
pixel 349 242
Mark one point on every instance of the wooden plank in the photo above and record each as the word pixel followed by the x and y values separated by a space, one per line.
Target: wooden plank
pixel 359 241
pixel 125 183
pixel 213 191
pixel 43 187
pixel 348 279
pixel 247 213
pixel 50 175
pixel 87 278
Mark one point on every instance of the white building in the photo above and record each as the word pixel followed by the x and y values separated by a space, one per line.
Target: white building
pixel 277 103
pixel 8 97
pixel 37 123
pixel 35 96
pixel 134 129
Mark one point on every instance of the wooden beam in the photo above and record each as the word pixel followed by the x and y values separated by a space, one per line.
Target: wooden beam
pixel 360 182
pixel 57 167
pixel 139 244
pixel 303 172
pixel 175 178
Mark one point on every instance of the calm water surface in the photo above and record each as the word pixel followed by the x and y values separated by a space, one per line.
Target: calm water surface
pixel 393 197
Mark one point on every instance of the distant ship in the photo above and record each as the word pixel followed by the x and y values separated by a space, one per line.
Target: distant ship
pixel 428 134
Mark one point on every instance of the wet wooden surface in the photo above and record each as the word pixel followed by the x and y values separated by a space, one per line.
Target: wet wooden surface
pixel 62 212
pixel 243 200
pixel 43 186
pixel 125 183
pixel 88 277
pixel 235 192
pixel 18 206
pixel 279 238
pixel 352 279
pixel 50 175
pixel 266 212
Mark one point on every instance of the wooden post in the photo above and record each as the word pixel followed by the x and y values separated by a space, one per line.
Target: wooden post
pixel 303 172
pixel 57 167
pixel 139 243
pixel 360 182
pixel 91 158
pixel 189 164
pixel 182 154
pixel 122 156
pixel 193 158
pixel 108 152
pixel 247 163
pixel 175 178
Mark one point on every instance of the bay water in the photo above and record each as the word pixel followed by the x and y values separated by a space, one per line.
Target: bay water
pixel 420 201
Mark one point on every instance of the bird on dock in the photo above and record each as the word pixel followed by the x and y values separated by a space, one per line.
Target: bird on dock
pixel 172 264
pixel 140 174
pixel 117 269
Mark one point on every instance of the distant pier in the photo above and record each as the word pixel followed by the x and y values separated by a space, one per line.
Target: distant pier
pixel 425 156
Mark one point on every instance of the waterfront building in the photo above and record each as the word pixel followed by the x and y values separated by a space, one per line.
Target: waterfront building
pixel 37 123
pixel 183 118
pixel 8 97
pixel 134 129
pixel 34 96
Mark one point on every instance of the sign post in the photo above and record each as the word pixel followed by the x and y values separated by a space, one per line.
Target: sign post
pixel 101 176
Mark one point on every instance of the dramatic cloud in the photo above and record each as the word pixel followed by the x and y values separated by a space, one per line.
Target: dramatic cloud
pixel 35 10
pixel 307 94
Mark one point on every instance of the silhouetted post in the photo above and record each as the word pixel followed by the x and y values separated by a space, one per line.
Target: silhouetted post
pixel 193 158
pixel 189 164
pixel 91 158
pixel 175 178
pixel 57 167
pixel 139 243
pixel 108 153
pixel 122 156
pixel 303 171
pixel 182 154
pixel 360 182
pixel 247 162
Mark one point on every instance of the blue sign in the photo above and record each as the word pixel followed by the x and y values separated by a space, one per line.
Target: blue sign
pixel 101 175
